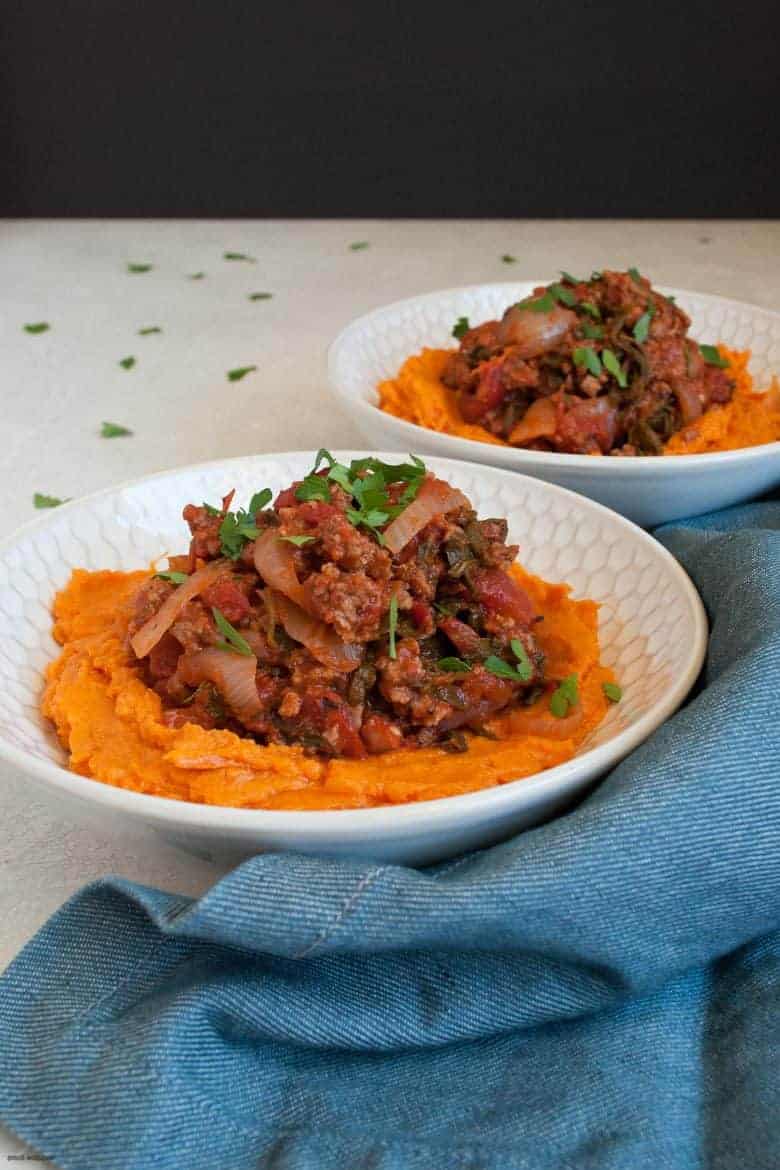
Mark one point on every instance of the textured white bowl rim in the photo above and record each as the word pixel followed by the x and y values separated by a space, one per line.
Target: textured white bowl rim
pixel 395 817
pixel 598 466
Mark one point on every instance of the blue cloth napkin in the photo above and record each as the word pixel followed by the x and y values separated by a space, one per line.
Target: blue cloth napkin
pixel 603 991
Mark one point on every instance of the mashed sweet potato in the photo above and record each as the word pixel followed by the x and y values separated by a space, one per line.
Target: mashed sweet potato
pixel 113 728
pixel 751 418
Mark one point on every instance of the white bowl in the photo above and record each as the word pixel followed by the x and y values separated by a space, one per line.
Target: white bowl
pixel 648 491
pixel 652 629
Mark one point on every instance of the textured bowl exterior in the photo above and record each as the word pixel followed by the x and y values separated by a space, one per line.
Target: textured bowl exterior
pixel 648 491
pixel 652 630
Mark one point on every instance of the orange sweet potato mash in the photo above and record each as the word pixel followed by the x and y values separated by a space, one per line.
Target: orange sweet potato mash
pixel 112 724
pixel 750 419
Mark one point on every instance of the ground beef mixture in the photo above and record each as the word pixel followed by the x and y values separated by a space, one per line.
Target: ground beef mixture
pixel 598 366
pixel 367 609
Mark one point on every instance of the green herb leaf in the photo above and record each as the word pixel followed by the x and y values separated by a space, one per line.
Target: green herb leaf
pixel 595 332
pixel 712 356
pixel 313 487
pixel 524 667
pixel 135 268
pixel 564 295
pixel 239 256
pixel 149 329
pixel 42 501
pixel 240 372
pixel 37 327
pixel 567 276
pixel 612 691
pixel 591 309
pixel 323 456
pixel 259 296
pixel 196 276
pixel 298 541
pixel 583 355
pixel 127 363
pixel 672 300
pixel 541 304
pixel 634 274
pixel 596 275
pixel 211 510
pixel 233 640
pixel 502 669
pixel 235 530
pixel 461 327
pixel 507 259
pixel 457 665
pixel 111 430
pixel 173 576
pixel 392 626
pixel 642 327
pixel 565 695
pixel 259 500
pixel 359 246
pixel 613 366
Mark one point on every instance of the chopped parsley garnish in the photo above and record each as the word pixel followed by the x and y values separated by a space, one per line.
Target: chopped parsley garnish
pixel 565 695
pixel 583 355
pixel 358 246
pixel 239 527
pixel 259 296
pixel 612 691
pixel 507 259
pixel 522 672
pixel 298 541
pixel 240 372
pixel 233 640
pixel 366 482
pixel 135 268
pixel 196 276
pixel 544 303
pixel 392 626
pixel 634 274
pixel 564 295
pixel 172 576
pixel 111 430
pixel 591 309
pixel 567 276
pixel 149 329
pixel 239 256
pixel 613 366
pixel 37 327
pixel 712 356
pixel 642 327
pixel 524 667
pixel 456 665
pixel 127 363
pixel 461 327
pixel 594 332
pixel 42 501
pixel 595 275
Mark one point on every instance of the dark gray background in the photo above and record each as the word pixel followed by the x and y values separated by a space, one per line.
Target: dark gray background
pixel 230 108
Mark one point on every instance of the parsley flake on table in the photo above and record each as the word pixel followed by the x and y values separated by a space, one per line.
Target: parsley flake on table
pixel 239 256
pixel 565 696
pixel 713 357
pixel 612 691
pixel 261 296
pixel 461 327
pixel 127 363
pixel 508 259
pixel 240 372
pixel 149 329
pixel 137 268
pixel 42 501
pixel 196 276
pixel 111 430
pixel 233 640
pixel 37 327
pixel 359 246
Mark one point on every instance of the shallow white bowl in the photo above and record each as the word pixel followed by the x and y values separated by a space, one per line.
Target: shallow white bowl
pixel 648 491
pixel 652 629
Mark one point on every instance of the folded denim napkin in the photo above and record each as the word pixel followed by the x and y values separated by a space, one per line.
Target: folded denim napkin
pixel 603 991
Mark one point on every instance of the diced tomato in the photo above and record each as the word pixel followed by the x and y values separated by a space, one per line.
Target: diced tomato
pixel 228 599
pixel 499 593
pixel 325 712
pixel 315 511
pixel 420 613
pixel 164 657
pixel 488 394
pixel 464 639
pixel 286 498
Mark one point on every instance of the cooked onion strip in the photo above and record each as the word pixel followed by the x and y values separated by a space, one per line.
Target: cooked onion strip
pixel 435 498
pixel 320 640
pixel 232 674
pixel 275 563
pixel 149 635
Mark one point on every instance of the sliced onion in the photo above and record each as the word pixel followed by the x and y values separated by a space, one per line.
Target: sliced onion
pixel 689 402
pixel 320 640
pixel 149 635
pixel 535 333
pixel 275 563
pixel 435 498
pixel 232 674
pixel 538 422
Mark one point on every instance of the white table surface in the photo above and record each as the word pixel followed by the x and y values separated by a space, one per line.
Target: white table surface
pixel 57 387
